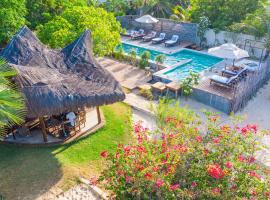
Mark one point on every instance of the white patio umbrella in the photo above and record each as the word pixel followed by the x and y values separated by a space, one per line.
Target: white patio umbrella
pixel 147 19
pixel 228 51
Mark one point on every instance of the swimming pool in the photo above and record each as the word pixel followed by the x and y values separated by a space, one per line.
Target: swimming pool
pixel 197 62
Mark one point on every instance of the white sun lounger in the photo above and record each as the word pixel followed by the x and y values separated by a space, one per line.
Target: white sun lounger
pixel 228 82
pixel 172 41
pixel 159 39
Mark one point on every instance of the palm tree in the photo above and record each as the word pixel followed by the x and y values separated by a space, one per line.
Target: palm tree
pixel 158 8
pixel 12 106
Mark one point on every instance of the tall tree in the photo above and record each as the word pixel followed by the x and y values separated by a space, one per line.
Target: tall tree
pixel 223 13
pixel 12 107
pixel 12 13
pixel 159 8
pixel 42 11
pixel 63 29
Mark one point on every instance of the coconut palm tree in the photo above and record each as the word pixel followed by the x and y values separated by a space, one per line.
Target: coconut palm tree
pixel 158 8
pixel 12 107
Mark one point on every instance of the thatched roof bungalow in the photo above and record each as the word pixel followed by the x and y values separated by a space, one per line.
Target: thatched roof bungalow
pixel 56 81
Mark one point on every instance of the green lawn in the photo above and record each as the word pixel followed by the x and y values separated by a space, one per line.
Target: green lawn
pixel 27 172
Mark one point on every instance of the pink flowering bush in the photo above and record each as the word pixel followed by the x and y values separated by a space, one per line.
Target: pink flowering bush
pixel 188 159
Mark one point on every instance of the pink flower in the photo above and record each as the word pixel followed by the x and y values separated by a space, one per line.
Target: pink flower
pixel 216 191
pixel 155 169
pixel 104 154
pixel 148 176
pixel 234 187
pixel 206 152
pixel 216 140
pixel 215 171
pixel 199 139
pixel 253 127
pixel 193 184
pixel 229 165
pixel 127 149
pixel 241 158
pixel 128 179
pixel 159 183
pixel 254 174
pixel 174 187
pixel 244 131
pixel 93 181
pixel 141 149
pixel 251 159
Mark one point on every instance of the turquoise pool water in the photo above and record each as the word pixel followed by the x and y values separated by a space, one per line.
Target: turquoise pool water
pixel 199 61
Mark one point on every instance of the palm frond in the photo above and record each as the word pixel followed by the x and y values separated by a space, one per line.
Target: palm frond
pixel 12 105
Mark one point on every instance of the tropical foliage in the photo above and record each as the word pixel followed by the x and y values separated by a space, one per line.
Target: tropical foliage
pixel 12 107
pixel 73 21
pixel 189 159
pixel 223 14
pixel 40 11
pixel 187 84
pixel 12 16
pixel 256 24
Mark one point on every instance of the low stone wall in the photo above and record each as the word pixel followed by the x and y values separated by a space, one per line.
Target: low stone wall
pixel 186 31
pixel 215 101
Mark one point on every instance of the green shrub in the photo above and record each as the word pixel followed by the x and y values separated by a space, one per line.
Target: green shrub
pixel 133 56
pixel 144 62
pixel 193 159
pixel 189 82
pixel 146 93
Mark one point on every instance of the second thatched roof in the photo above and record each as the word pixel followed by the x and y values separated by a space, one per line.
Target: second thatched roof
pixel 58 81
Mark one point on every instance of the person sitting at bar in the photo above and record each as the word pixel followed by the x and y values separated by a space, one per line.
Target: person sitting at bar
pixel 71 121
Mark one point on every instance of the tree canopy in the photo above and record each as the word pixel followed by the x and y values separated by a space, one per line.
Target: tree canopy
pixel 64 28
pixel 12 16
pixel 41 11
pixel 223 13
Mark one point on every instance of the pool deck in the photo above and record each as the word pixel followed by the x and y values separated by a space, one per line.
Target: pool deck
pixel 156 47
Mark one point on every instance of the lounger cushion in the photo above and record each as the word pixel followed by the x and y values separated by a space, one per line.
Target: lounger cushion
pixel 170 42
pixel 157 39
pixel 220 79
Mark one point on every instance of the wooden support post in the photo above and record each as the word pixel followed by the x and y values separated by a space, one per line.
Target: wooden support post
pixel 43 129
pixel 98 115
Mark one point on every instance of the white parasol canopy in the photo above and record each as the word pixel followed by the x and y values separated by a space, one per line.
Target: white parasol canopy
pixel 147 19
pixel 228 51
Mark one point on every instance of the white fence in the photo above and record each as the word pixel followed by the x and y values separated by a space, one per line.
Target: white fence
pixel 216 38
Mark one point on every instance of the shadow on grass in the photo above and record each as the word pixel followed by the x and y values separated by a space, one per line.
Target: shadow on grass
pixel 27 173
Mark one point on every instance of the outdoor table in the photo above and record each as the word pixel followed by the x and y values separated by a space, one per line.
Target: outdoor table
pixel 161 87
pixel 174 86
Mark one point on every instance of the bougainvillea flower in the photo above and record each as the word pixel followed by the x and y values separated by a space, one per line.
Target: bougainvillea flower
pixel 241 158
pixel 229 165
pixel 128 179
pixel 104 154
pixel 159 183
pixel 254 174
pixel 174 187
pixel 148 176
pixel 215 171
pixel 193 184
pixel 199 139
pixel 216 191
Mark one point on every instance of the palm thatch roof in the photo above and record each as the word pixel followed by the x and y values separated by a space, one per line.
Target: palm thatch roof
pixel 55 81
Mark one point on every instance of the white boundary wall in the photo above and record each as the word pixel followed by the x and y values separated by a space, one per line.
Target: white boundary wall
pixel 221 37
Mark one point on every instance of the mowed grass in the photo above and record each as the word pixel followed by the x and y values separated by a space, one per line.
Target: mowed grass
pixel 29 172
